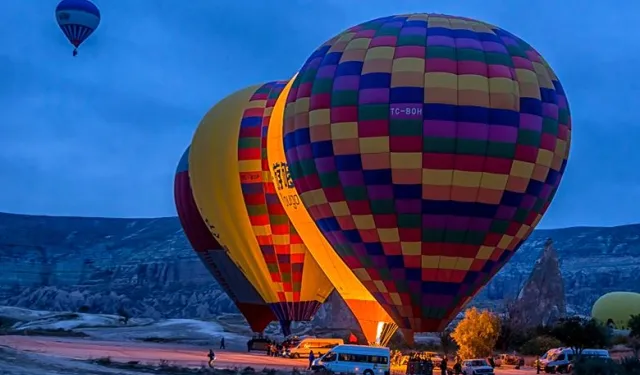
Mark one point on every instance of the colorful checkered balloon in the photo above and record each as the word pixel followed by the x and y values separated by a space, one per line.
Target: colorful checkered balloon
pixel 426 148
pixel 285 254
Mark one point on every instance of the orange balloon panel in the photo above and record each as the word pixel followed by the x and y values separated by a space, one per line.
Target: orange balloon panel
pixel 367 311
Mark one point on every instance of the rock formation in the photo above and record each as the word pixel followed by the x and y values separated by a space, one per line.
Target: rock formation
pixel 146 265
pixel 542 299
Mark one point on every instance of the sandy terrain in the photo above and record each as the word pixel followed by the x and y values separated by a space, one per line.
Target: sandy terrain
pixel 178 354
pixel 179 342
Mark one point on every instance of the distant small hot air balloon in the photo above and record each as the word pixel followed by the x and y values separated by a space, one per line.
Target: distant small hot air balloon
pixel 78 19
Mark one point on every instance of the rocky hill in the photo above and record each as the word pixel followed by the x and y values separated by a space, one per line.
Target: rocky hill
pixel 147 266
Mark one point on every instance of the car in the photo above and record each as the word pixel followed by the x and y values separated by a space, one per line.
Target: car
pixel 259 343
pixel 590 358
pixel 559 360
pixel 302 348
pixel 434 357
pixel 355 359
pixel 508 360
pixel 476 367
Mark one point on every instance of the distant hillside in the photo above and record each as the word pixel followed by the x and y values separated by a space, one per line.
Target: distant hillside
pixel 62 263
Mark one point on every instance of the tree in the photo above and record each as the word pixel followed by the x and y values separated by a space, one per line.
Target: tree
pixel 634 335
pixel 634 343
pixel 477 333
pixel 446 342
pixel 634 325
pixel 83 309
pixel 513 332
pixel 578 334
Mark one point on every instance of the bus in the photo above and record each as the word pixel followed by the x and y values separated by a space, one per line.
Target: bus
pixel 356 359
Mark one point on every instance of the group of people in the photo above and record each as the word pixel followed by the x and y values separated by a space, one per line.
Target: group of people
pixel 426 361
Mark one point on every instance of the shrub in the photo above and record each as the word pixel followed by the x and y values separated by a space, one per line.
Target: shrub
pixel 104 361
pixel 631 365
pixel 619 340
pixel 539 345
pixel 597 367
pixel 477 333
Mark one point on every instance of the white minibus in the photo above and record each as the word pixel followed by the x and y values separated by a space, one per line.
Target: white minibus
pixel 356 359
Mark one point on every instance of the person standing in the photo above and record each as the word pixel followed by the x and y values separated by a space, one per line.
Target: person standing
pixel 212 357
pixel 222 343
pixel 492 363
pixel 457 367
pixel 311 359
pixel 443 366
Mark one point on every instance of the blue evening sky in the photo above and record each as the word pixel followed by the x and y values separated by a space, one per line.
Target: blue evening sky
pixel 100 134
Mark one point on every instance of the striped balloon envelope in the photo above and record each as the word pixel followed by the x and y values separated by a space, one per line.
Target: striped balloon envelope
pixel 299 283
pixel 227 192
pixel 426 148
pixel 78 19
pixel 376 325
pixel 225 272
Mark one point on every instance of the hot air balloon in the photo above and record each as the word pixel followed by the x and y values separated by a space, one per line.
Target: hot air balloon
pixel 226 273
pixel 78 19
pixel 616 307
pixel 426 148
pixel 231 191
pixel 377 326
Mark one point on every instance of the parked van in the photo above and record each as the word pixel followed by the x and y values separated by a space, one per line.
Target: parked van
pixel 560 360
pixel 306 345
pixel 356 359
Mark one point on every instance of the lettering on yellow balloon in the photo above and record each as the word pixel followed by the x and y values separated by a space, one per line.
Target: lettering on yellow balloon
pixel 290 200
pixel 282 176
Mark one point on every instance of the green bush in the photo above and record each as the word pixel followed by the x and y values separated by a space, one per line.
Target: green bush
pixel 539 345
pixel 597 367
pixel 631 365
pixel 619 340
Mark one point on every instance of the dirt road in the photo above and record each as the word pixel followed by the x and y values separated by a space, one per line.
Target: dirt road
pixel 182 355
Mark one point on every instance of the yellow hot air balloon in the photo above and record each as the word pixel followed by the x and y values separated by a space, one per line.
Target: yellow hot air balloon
pixel 616 307
pixel 232 193
pixel 376 324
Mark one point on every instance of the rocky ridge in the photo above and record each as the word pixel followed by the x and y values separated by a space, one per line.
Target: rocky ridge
pixel 147 266
pixel 542 298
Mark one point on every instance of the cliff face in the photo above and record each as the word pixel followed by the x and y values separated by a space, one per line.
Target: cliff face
pixel 542 298
pixel 147 266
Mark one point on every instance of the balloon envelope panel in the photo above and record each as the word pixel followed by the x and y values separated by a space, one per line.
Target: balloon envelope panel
pixel 226 273
pixel 426 148
pixel 365 308
pixel 299 283
pixel 617 306
pixel 215 180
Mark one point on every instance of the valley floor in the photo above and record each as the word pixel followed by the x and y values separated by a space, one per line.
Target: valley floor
pixel 51 343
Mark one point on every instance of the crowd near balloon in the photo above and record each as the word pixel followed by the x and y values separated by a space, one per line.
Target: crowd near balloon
pixel 401 166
